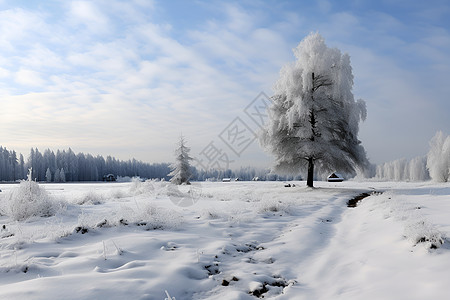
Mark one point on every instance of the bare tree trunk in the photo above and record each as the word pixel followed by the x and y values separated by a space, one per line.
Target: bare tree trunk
pixel 309 181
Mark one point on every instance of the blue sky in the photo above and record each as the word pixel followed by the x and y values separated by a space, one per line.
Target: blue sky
pixel 125 78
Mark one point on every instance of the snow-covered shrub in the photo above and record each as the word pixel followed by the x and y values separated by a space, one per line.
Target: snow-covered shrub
pixel 29 200
pixel 138 187
pixel 421 231
pixel 90 198
pixel 273 205
pixel 136 184
pixel 152 217
pixel 212 213
pixel 87 221
pixel 417 228
pixel 118 194
pixel 147 216
pixel 438 158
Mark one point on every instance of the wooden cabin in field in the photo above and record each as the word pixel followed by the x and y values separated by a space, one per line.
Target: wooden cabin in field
pixel 335 177
pixel 109 178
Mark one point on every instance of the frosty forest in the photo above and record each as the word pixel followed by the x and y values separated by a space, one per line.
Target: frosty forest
pixel 174 231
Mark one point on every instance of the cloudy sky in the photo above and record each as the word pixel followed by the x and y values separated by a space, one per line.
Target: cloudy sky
pixel 125 78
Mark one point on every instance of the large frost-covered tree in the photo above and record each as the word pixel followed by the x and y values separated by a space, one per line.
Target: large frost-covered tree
pixel 314 118
pixel 438 158
pixel 181 169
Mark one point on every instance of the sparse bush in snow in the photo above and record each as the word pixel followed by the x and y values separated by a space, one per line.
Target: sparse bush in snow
pixel 90 198
pixel 87 221
pixel 438 158
pixel 421 231
pixel 118 194
pixel 138 187
pixel 152 217
pixel 147 216
pixel 29 200
pixel 212 213
pixel 273 205
pixel 136 184
pixel 416 228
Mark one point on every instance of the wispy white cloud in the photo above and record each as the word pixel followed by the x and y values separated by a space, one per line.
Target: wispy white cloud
pixel 88 15
pixel 29 78
pixel 17 26
pixel 4 73
pixel 136 90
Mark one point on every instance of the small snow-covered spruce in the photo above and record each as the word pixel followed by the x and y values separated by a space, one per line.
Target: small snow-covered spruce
pixel 181 169
pixel 438 158
pixel 314 119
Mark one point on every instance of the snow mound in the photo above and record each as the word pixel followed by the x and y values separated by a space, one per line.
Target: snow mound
pixel 417 228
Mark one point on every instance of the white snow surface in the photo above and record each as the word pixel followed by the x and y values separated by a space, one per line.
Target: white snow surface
pixel 239 240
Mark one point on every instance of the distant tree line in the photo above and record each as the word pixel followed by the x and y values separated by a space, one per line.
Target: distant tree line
pixel 67 165
pixel 404 170
pixel 435 165
pixel 243 173
pixel 11 166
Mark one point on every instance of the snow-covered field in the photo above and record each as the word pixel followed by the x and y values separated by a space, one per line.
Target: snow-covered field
pixel 240 240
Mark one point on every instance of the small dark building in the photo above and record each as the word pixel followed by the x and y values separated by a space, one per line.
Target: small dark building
pixel 109 178
pixel 335 177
